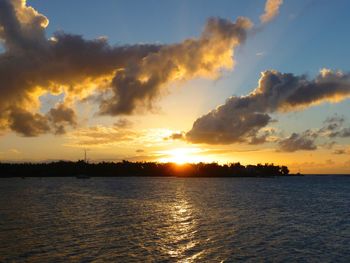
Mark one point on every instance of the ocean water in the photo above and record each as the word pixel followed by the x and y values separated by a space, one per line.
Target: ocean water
pixel 301 219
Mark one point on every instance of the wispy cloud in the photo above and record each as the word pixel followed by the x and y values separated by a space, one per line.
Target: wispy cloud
pixel 104 136
pixel 123 123
pixel 14 151
pixel 333 128
pixel 340 151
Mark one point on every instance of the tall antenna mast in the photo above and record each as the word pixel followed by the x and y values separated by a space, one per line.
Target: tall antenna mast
pixel 85 158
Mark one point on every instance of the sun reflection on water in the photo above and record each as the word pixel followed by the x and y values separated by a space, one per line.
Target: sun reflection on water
pixel 181 241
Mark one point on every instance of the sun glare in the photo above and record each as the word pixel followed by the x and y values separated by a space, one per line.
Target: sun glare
pixel 183 155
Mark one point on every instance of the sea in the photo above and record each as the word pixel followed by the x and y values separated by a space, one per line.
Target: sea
pixel 157 219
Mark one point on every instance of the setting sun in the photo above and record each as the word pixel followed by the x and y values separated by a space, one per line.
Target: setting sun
pixel 183 155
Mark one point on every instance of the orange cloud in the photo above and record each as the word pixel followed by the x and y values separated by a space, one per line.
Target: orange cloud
pixel 271 10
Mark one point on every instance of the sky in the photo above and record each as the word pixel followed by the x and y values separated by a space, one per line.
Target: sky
pixel 248 81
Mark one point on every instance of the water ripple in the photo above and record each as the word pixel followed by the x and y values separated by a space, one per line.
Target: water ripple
pixel 175 220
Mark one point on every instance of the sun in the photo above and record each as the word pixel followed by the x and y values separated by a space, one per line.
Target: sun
pixel 179 156
pixel 183 155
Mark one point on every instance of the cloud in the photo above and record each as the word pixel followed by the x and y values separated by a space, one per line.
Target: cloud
pixel 329 145
pixel 296 142
pixel 62 116
pixel 239 119
pixel 141 83
pixel 334 128
pixel 104 136
pixel 22 27
pixel 67 65
pixel 123 123
pixel 175 136
pixel 332 123
pixel 32 65
pixel 263 136
pixel 222 127
pixel 330 162
pixel 271 10
pixel 340 151
pixel 123 78
pixel 343 133
pixel 28 124
pixel 97 136
pixel 14 151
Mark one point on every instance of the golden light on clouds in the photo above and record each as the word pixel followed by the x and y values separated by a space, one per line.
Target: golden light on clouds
pixel 104 136
pixel 271 10
pixel 70 88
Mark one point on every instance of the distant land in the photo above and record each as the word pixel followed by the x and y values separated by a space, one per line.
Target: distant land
pixel 83 169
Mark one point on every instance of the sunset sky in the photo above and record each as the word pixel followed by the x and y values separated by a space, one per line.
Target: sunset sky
pixel 248 81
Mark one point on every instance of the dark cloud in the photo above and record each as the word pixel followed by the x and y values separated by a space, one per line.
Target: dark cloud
pixel 123 123
pixel 123 78
pixel 260 139
pixel 343 133
pixel 332 124
pixel 28 124
pixel 340 151
pixel 33 124
pixel 296 142
pixel 329 145
pixel 32 66
pixel 265 135
pixel 334 121
pixel 22 27
pixel 221 127
pixel 175 136
pixel 327 86
pixel 334 127
pixel 240 118
pixel 61 116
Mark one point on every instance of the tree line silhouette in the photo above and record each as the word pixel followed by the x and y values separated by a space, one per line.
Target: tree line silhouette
pixel 128 169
